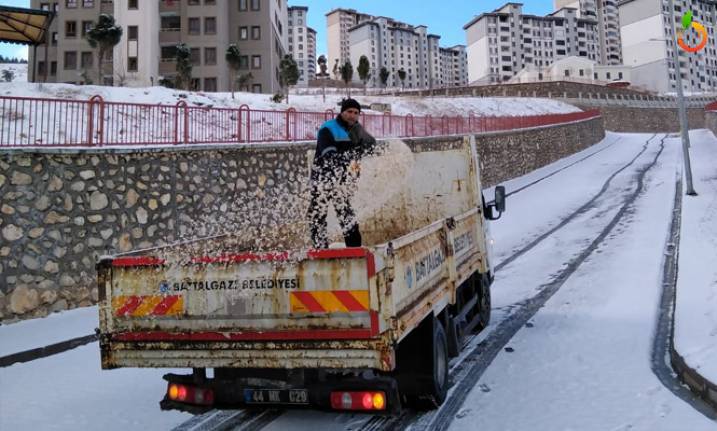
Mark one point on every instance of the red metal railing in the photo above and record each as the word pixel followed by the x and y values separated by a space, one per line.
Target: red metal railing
pixel 54 123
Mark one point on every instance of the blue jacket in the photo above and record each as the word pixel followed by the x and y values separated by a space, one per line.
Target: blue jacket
pixel 338 143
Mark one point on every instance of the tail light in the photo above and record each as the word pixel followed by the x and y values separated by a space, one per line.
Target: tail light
pixel 363 400
pixel 190 394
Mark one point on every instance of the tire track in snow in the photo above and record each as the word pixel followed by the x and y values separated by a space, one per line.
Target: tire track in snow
pixel 520 189
pixel 479 359
pixel 663 343
pixel 584 208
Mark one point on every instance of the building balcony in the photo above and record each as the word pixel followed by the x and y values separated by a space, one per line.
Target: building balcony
pixel 107 6
pixel 167 67
pixel 169 6
pixel 170 35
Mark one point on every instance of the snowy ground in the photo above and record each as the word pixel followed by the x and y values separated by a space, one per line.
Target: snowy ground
pixel 583 363
pixel 437 106
pixel 55 328
pixel 696 314
pixel 20 71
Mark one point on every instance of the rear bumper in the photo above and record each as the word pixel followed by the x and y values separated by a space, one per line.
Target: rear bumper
pixel 346 354
pixel 230 393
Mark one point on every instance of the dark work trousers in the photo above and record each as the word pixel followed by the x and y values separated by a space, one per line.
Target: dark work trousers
pixel 335 188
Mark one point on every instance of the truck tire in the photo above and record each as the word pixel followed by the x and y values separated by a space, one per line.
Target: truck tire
pixel 423 366
pixel 484 302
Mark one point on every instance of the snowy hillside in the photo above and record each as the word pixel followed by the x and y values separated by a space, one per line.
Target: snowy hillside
pixel 437 106
pixel 20 71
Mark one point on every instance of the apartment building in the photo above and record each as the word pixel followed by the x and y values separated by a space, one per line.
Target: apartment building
pixel 648 45
pixel 338 23
pixel 75 61
pixel 398 47
pixel 454 66
pixel 302 44
pixel 153 29
pixel 606 13
pixel 503 42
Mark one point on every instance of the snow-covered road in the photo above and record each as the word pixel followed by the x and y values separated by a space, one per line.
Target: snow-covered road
pixel 576 301
pixel 584 361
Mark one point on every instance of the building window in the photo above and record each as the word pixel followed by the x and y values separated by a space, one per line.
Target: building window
pixel 70 4
pixel 132 32
pixel 133 4
pixel 210 84
pixel 171 23
pixel 194 26
pixel 193 2
pixel 194 84
pixel 195 56
pixel 168 53
pixel 255 5
pixel 86 60
pixel 210 25
pixel 70 29
pixel 40 67
pixel 54 38
pixel 256 61
pixel 70 60
pixel 53 68
pixel 210 56
pixel 256 88
pixel 88 3
pixel 243 33
pixel 243 62
pixel 256 32
pixel 86 25
pixel 243 5
pixel 132 64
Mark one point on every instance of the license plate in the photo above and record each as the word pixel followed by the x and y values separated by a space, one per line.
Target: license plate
pixel 276 396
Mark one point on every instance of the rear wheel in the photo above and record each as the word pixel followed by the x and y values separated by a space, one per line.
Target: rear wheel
pixel 423 365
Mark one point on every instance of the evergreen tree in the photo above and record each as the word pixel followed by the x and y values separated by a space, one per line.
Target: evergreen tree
pixel 347 73
pixel 363 69
pixel 183 56
pixel 103 35
pixel 232 56
pixel 8 75
pixel 384 74
pixel 288 73
pixel 402 76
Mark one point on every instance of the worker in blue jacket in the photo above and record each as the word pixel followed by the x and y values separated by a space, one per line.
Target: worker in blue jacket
pixel 341 144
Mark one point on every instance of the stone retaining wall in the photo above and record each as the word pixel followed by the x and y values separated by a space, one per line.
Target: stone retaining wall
pixel 648 120
pixel 61 209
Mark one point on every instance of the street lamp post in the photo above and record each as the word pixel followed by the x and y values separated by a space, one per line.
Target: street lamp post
pixel 681 104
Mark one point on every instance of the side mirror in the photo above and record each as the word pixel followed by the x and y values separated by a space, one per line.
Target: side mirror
pixel 500 199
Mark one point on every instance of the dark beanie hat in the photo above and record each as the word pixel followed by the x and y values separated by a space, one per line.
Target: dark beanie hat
pixel 350 103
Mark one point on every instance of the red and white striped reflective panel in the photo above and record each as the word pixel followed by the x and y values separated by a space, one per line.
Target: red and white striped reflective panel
pixel 152 305
pixel 330 301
